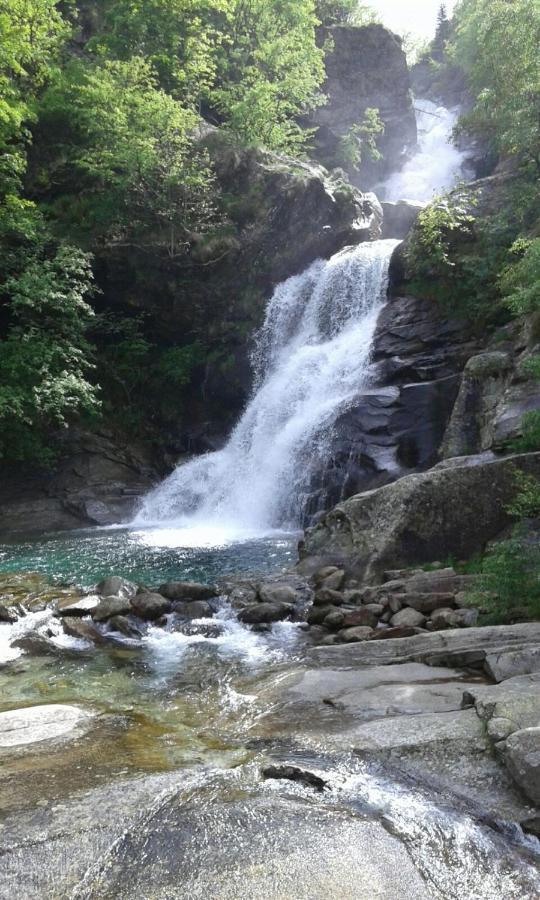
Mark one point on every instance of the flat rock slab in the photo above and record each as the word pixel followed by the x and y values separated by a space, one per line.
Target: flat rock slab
pixel 20 727
pixel 457 647
pixel 452 732
pixel 407 689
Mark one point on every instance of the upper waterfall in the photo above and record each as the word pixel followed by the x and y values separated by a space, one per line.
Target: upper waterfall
pixel 311 360
pixel 437 163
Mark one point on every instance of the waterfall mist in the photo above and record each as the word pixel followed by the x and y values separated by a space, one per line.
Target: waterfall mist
pixel 311 360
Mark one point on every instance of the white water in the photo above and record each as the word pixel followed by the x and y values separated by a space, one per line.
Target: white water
pixel 311 362
pixel 437 165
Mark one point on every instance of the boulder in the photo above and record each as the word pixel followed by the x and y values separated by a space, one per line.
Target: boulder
pixel 150 606
pixel 334 582
pixel 188 590
pixel 277 593
pixel 355 635
pixel 393 634
pixel 453 510
pixel 197 609
pixel 510 663
pixel 35 724
pixel 362 616
pixel 399 217
pixel 454 618
pixel 427 603
pixel 111 606
pixel 265 613
pixel 522 757
pixel 123 625
pixel 84 606
pixel 77 628
pixel 7 614
pixel 325 597
pixel 408 618
pixel 335 620
pixel 114 586
pixel 317 614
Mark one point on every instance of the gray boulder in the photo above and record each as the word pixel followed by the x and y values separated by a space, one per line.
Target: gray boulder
pixel 197 609
pixel 510 663
pixel 265 613
pixel 522 757
pixel 355 635
pixel 453 510
pixel 84 630
pixel 277 593
pixel 35 724
pixel 7 614
pixel 399 217
pixel 111 606
pixel 408 618
pixel 150 606
pixel 188 590
pixel 114 586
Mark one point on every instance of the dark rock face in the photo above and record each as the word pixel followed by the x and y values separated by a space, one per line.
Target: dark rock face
pixel 397 426
pixel 450 510
pixel 367 68
pixel 98 481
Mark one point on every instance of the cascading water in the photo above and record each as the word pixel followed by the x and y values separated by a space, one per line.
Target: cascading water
pixel 311 361
pixel 437 164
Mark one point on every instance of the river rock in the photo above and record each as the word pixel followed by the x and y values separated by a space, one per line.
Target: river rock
pixel 150 606
pixel 454 618
pixel 265 613
pixel 78 628
pixel 399 217
pixel 42 723
pixel 355 634
pixel 510 663
pixel 277 594
pixel 84 606
pixel 198 609
pixel 335 620
pixel 327 597
pixel 334 582
pixel 423 516
pixel 428 603
pixel 7 614
pixel 522 757
pixel 123 625
pixel 111 606
pixel 114 586
pixel 188 590
pixel 362 616
pixel 408 618
pixel 317 614
pixel 393 634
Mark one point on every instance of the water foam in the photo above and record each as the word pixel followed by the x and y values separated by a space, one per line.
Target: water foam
pixel 437 164
pixel 311 362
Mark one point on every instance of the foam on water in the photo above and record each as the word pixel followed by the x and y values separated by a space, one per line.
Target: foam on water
pixel 437 164
pixel 311 362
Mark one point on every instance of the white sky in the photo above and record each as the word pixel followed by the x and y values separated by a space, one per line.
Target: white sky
pixel 411 15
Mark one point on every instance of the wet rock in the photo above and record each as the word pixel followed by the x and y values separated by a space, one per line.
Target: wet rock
pixel 510 663
pixel 7 614
pixel 78 628
pixel 111 606
pixel 38 645
pixel 42 723
pixel 531 826
pixel 326 597
pixel 355 635
pixel 198 609
pixel 399 217
pixel 150 606
pixel 114 586
pixel 323 573
pixel 84 606
pixel 317 614
pixel 335 620
pixel 242 596
pixel 292 773
pixel 408 618
pixel 277 594
pixel 123 625
pixel 188 590
pixel 522 757
pixel 206 629
pixel 265 613
pixel 362 616
pixel 334 582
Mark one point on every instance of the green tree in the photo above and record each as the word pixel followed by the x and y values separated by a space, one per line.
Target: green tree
pixel 125 154
pixel 496 43
pixel 344 12
pixel 45 359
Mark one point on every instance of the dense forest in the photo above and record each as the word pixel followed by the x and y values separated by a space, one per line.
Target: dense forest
pixel 104 108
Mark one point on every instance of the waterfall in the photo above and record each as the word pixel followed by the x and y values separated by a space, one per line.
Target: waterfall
pixel 311 361
pixel 437 164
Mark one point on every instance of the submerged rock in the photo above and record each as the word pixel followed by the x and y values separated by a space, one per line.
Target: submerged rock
pixel 42 723
pixel 292 773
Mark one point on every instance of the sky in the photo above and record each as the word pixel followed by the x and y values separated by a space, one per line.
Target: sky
pixel 411 15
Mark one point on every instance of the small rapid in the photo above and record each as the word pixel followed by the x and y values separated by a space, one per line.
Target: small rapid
pixel 311 361
pixel 437 165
